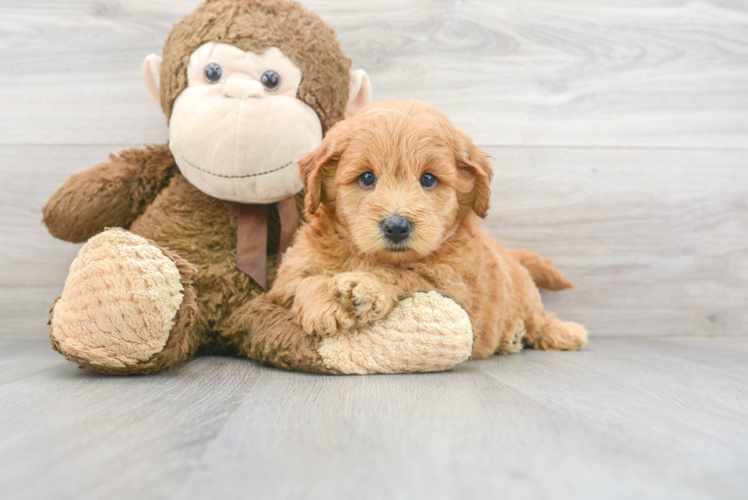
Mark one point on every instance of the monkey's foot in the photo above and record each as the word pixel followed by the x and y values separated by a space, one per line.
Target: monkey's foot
pixel 127 306
pixel 425 333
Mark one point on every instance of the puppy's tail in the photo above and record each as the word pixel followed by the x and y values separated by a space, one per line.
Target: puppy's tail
pixel 543 271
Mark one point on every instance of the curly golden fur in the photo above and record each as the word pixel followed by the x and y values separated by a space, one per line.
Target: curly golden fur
pixel 343 272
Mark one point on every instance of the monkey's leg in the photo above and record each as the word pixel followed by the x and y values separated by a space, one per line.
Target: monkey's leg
pixel 425 333
pixel 128 306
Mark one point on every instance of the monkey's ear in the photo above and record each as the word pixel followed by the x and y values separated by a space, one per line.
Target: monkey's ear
pixel 359 92
pixel 477 163
pixel 152 76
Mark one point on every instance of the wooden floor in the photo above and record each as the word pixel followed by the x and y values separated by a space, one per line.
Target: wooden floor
pixel 643 418
pixel 619 133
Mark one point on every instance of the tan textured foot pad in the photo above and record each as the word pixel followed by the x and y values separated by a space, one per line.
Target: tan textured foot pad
pixel 425 333
pixel 119 302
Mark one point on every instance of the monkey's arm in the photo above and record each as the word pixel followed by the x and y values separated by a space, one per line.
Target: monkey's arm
pixel 265 331
pixel 111 194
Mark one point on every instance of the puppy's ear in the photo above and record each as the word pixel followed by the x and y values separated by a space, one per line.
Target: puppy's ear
pixel 312 167
pixel 476 162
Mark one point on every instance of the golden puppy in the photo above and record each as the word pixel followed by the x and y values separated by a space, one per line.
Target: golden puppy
pixel 393 197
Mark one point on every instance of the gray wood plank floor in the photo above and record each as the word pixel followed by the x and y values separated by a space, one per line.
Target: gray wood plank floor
pixel 625 418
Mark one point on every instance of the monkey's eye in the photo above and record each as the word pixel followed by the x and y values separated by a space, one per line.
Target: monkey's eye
pixel 213 73
pixel 367 180
pixel 428 181
pixel 270 80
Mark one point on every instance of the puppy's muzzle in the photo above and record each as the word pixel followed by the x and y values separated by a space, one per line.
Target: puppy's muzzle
pixel 397 228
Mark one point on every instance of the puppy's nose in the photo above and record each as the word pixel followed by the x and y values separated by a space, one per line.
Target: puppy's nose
pixel 396 228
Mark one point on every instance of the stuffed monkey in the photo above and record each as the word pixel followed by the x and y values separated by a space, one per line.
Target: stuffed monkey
pixel 182 239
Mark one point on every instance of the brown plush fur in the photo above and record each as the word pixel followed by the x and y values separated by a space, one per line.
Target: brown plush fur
pixel 143 191
pixel 342 273
pixel 257 25
pixel 113 194
pixel 190 227
pixel 264 331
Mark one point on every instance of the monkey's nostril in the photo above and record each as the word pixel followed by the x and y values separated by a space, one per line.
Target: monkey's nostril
pixel 396 228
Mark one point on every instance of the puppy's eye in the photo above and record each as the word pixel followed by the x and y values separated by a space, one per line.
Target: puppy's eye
pixel 367 180
pixel 428 181
pixel 270 80
pixel 213 73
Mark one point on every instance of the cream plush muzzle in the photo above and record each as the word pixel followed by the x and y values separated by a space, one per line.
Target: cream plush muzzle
pixel 235 139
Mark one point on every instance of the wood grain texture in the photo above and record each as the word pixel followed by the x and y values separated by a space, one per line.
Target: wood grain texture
pixel 653 239
pixel 633 418
pixel 658 73
pixel 619 132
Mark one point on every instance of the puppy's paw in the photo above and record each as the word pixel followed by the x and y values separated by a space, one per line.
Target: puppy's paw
pixel 326 317
pixel 561 336
pixel 363 296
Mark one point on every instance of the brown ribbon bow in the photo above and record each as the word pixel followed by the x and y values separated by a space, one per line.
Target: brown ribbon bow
pixel 252 237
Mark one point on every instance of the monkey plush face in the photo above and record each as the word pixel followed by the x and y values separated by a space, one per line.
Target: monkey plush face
pixel 250 86
pixel 238 129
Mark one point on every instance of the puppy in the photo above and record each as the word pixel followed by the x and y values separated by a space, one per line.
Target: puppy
pixel 393 201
